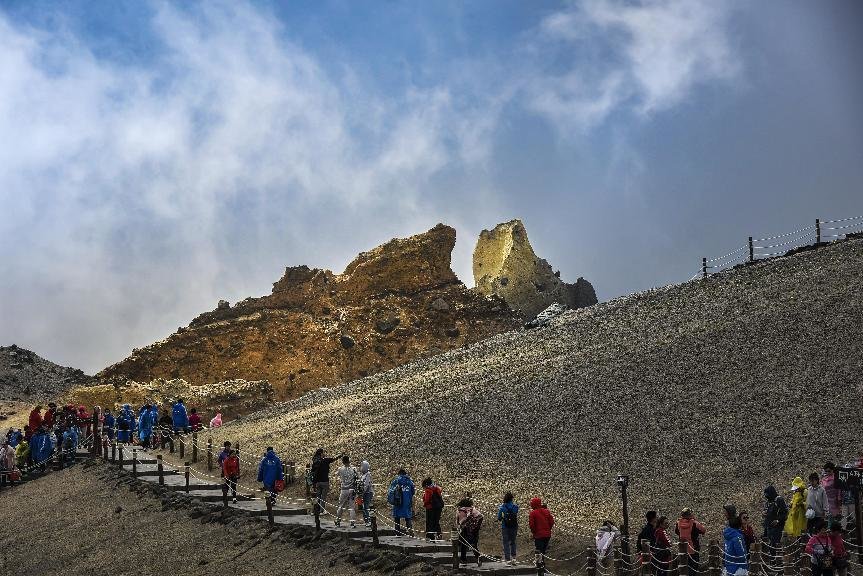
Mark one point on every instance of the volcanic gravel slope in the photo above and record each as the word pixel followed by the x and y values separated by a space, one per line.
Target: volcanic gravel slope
pixel 26 376
pixel 700 392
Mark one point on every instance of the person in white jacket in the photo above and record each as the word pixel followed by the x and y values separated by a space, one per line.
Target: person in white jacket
pixel 347 476
pixel 817 505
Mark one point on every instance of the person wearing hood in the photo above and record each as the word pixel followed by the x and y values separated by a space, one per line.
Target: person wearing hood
pixel 507 515
pixel 734 552
pixel 109 424
pixel 41 448
pixel 35 419
pixel 541 522
pixel 145 425
pixel 179 416
pixel 270 470
pixel 401 497
pixel 795 524
pixel 368 491
pixel 22 454
pixel 469 521
pixel 216 420
pixel 50 415
pixel 775 515
pixel 817 505
pixel 195 420
pixel 125 424
pixel 348 477
pixel 69 444
pixel 433 504
pixel 690 531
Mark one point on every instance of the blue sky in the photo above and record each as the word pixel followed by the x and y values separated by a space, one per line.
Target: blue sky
pixel 156 157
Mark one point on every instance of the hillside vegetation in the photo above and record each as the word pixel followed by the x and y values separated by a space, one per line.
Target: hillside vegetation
pixel 700 392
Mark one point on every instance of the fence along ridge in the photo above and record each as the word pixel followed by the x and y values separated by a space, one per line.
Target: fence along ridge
pixel 754 249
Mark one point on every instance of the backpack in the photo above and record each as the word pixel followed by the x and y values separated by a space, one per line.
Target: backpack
pixel 471 524
pixel 781 510
pixel 510 518
pixel 359 485
pixel 437 502
pixel 395 496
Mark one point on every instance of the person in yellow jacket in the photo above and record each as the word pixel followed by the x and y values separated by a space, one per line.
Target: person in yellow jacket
pixel 795 524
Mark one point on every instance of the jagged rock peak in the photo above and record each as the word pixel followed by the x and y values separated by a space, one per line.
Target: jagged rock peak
pixel 505 264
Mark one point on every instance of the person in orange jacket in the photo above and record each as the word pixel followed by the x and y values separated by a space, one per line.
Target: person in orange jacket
pixel 541 522
pixel 690 531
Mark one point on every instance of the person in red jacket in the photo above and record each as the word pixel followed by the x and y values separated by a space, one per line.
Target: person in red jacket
pixel 433 503
pixel 48 417
pixel 36 418
pixel 541 522
pixel 195 420
pixel 231 472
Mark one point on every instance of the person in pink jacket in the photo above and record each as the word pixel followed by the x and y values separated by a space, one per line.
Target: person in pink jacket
pixel 834 495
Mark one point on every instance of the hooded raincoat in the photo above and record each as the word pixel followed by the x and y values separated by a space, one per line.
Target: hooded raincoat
pixel 734 552
pixel 216 421
pixel 406 508
pixel 795 524
pixel 145 425
pixel 179 416
pixel 270 470
pixel 125 424
pixel 22 454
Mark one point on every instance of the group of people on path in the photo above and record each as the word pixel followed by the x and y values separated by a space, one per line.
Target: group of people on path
pixel 815 518
pixel 356 490
pixel 148 428
pixel 55 433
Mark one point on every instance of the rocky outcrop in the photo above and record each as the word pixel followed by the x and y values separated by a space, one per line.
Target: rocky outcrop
pixel 504 264
pixel 393 304
pixel 26 376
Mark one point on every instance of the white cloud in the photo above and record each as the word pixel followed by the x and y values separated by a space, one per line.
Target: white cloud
pixel 644 56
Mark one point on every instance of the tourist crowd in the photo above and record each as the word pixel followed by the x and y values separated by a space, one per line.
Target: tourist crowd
pixel 813 514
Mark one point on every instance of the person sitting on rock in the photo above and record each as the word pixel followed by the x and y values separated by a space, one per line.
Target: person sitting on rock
pixel 270 470
pixel 179 417
pixel 401 497
pixel 468 521
pixel 194 420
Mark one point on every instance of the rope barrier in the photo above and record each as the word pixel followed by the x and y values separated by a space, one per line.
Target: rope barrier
pixel 842 220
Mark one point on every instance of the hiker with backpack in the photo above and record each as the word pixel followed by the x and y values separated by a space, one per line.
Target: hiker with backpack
pixel 541 522
pixel 469 522
pixel 179 417
pixel 507 515
pixel 368 491
pixel 321 477
pixel 231 473
pixel 821 549
pixel 270 472
pixel 348 480
pixel 775 515
pixel 433 504
pixel 401 497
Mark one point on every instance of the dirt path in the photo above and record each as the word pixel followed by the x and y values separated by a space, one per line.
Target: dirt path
pixel 96 520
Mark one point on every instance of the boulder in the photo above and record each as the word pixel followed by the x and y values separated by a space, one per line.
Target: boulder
pixel 504 264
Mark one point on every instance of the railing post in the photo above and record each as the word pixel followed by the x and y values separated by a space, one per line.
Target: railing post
pixel 182 440
pixel 788 563
pixel 170 434
pixel 104 449
pixel 647 567
pixel 210 454
pixel 194 447
pixel 317 510
pixel 374 522
pixel 455 537
pixel 121 455
pixel 591 562
pixel 618 562
pixel 704 267
pixel 818 230
pixel 308 487
pixel 755 558
pixel 237 448
pixel 682 558
pixel 751 250
pixel 292 472
pixel 270 519
pixel 714 559
pixel 134 462
pixel 187 476
pixel 161 470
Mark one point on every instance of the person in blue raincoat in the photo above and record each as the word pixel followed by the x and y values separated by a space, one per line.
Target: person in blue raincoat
pixel 401 497
pixel 125 424
pixel 270 470
pixel 109 424
pixel 145 425
pixel 180 417
pixel 41 448
pixel 69 445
